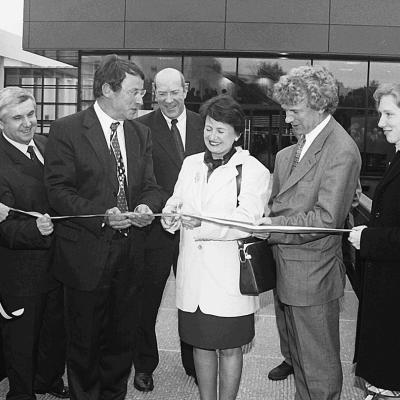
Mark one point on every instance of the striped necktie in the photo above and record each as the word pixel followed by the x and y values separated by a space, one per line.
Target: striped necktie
pixel 122 203
pixel 300 145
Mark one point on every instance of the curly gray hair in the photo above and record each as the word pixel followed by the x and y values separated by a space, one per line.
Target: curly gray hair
pixel 315 85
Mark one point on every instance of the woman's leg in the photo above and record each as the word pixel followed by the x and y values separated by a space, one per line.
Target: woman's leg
pixel 230 371
pixel 206 364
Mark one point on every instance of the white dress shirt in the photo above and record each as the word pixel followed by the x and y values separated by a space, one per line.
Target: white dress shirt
pixel 181 124
pixel 23 148
pixel 105 122
pixel 310 137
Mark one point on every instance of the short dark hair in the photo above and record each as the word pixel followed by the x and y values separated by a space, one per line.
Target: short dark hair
pixel 113 70
pixel 224 108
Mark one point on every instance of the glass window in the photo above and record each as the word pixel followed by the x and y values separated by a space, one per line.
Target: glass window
pixel 353 120
pixel 256 77
pixel 351 77
pixel 67 95
pixel 382 72
pixel 49 112
pixel 150 65
pixel 208 77
pixel 65 109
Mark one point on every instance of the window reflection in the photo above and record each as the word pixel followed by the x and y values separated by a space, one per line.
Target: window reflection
pixel 55 91
pixel 208 77
pixel 351 77
pixel 256 77
pixel 381 72
pixel 150 65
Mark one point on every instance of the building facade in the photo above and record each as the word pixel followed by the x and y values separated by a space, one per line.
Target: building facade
pixel 239 47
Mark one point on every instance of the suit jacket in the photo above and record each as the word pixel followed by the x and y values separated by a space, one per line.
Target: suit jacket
pixel 25 254
pixel 319 193
pixel 380 248
pixel 80 179
pixel 167 163
pixel 208 264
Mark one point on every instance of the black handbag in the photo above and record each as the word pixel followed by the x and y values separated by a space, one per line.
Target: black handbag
pixel 257 266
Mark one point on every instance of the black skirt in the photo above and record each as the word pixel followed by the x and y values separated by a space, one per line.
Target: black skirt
pixel 210 332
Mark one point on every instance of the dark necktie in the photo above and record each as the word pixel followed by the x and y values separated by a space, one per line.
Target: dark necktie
pixel 178 139
pixel 122 203
pixel 34 157
pixel 300 145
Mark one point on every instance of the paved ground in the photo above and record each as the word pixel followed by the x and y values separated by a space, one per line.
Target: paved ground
pixel 171 383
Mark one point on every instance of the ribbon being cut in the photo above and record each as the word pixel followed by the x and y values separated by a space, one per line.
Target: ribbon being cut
pixel 245 226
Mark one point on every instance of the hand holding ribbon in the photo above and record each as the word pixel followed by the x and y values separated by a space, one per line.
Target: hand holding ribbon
pixel 142 216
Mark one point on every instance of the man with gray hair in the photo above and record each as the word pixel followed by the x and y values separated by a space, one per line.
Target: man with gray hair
pixel 34 343
pixel 314 185
pixel 176 133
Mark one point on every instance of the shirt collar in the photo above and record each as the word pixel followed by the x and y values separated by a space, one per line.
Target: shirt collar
pixel 21 146
pixel 317 130
pixel 181 118
pixel 105 119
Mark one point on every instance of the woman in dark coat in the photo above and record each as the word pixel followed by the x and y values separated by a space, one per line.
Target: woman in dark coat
pixel 377 350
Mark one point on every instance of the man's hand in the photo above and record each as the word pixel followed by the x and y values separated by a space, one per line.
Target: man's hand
pixel 4 210
pixel 45 225
pixel 116 220
pixel 355 236
pixel 144 218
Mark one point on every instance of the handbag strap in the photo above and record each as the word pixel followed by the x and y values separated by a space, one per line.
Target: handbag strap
pixel 238 181
pixel 238 186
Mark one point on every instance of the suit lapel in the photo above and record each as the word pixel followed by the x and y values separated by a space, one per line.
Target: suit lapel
pixel 164 138
pixel 95 136
pixel 391 173
pixel 193 142
pixel 20 161
pixel 308 161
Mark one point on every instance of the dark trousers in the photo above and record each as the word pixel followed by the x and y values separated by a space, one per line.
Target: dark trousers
pixel 158 263
pixel 100 327
pixel 34 344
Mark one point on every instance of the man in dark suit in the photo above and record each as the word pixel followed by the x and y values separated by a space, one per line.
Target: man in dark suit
pixel 162 247
pixel 314 184
pixel 34 344
pixel 98 161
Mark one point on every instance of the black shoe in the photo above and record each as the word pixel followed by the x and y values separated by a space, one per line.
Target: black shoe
pixel 143 381
pixel 61 392
pixel 193 375
pixel 282 371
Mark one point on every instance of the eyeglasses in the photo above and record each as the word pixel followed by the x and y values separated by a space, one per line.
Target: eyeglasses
pixel 136 92
pixel 164 95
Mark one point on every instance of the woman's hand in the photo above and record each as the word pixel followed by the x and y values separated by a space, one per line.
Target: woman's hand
pixel 45 225
pixel 263 235
pixel 170 222
pixel 190 222
pixel 355 236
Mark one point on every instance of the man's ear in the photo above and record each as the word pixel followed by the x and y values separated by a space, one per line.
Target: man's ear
pixel 106 89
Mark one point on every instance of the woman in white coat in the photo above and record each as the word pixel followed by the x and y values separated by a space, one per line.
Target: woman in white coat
pixel 213 315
